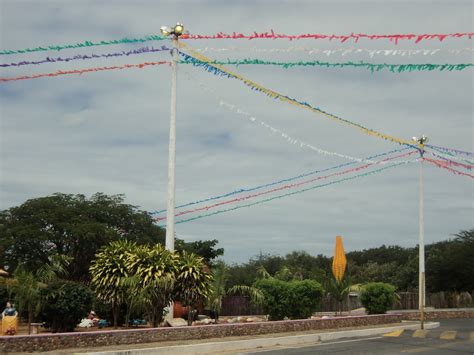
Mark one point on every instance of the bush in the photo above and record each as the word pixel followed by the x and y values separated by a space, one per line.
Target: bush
pixel 64 304
pixel 377 297
pixel 293 299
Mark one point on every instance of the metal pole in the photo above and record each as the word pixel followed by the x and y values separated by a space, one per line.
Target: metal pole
pixel 421 247
pixel 172 150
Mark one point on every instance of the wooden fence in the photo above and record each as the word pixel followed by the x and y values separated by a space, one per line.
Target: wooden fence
pixel 240 305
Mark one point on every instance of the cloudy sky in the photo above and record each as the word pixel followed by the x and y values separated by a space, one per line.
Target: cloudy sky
pixel 108 131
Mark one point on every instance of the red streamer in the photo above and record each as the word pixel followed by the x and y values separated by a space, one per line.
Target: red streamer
pixel 341 38
pixel 445 165
pixel 284 187
pixel 83 71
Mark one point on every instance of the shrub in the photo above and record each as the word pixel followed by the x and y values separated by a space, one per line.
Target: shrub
pixel 64 304
pixel 377 297
pixel 293 299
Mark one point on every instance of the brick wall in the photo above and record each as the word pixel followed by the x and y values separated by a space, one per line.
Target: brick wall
pixel 48 342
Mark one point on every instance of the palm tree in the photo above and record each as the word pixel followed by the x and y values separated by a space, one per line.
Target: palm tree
pixel 155 269
pixel 109 270
pixel 27 285
pixel 193 281
pixel 220 273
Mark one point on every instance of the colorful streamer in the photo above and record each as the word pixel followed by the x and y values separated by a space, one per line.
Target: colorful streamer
pixel 287 137
pixel 455 151
pixel 219 70
pixel 83 71
pixel 444 165
pixel 242 190
pixel 85 57
pixel 285 187
pixel 394 68
pixel 395 38
pixel 451 162
pixel 84 44
pixel 342 51
pixel 289 194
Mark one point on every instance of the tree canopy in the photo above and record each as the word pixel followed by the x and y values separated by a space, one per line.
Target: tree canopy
pixel 77 227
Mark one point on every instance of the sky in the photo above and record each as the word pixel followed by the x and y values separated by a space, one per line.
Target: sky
pixel 108 131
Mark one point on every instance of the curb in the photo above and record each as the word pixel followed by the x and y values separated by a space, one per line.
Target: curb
pixel 253 344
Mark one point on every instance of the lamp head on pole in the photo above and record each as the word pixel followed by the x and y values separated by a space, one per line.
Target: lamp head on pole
pixel 177 30
pixel 422 140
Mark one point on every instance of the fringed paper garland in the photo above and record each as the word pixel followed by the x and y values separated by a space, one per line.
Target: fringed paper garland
pixel 142 50
pixel 83 71
pixel 394 68
pixel 282 181
pixel 443 164
pixel 373 172
pixel 284 187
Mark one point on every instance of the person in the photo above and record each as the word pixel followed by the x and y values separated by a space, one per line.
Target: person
pixel 9 320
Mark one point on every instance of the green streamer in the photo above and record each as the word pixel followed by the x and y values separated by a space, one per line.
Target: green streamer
pixel 395 68
pixel 83 45
pixel 291 193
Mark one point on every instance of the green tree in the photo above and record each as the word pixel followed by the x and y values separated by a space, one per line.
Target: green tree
pixel 193 281
pixel 71 225
pixel 65 304
pixel 109 270
pixel 156 269
pixel 206 249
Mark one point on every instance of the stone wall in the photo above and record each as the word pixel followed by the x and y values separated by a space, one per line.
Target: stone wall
pixel 438 314
pixel 48 342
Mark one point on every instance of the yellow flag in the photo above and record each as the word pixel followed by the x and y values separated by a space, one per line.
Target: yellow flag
pixel 339 261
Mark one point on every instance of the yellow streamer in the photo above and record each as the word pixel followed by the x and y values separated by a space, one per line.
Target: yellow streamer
pixel 291 101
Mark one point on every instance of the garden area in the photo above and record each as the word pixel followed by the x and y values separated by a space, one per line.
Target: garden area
pixel 73 264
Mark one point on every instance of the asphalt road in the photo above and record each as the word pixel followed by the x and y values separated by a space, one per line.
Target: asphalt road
pixel 454 336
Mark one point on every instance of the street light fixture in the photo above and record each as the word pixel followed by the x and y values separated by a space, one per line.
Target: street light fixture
pixel 175 32
pixel 421 248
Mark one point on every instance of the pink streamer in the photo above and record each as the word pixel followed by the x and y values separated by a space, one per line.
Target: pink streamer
pixel 445 165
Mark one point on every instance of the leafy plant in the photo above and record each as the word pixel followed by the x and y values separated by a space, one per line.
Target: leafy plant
pixel 377 297
pixel 65 303
pixel 192 281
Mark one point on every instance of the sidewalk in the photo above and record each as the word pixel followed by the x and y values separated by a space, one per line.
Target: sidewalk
pixel 237 344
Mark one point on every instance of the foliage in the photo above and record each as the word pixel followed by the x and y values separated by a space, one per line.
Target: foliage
pixel 377 297
pixel 65 304
pixel 156 270
pixel 339 291
pixel 70 225
pixel 108 271
pixel 206 249
pixel 295 299
pixel 193 281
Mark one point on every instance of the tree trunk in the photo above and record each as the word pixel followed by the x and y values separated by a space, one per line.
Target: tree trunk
pixel 30 318
pixel 190 316
pixel 115 310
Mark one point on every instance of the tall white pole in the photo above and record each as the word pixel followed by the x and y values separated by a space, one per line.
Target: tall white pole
pixel 421 247
pixel 172 150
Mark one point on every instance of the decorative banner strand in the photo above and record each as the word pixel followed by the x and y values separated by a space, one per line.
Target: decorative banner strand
pixel 395 38
pixel 242 190
pixel 219 70
pixel 266 35
pixel 83 71
pixel 343 51
pixel 455 151
pixel 394 68
pixel 85 57
pixel 451 162
pixel 84 44
pixel 289 194
pixel 287 137
pixel 442 164
pixel 284 187
pixel 451 156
